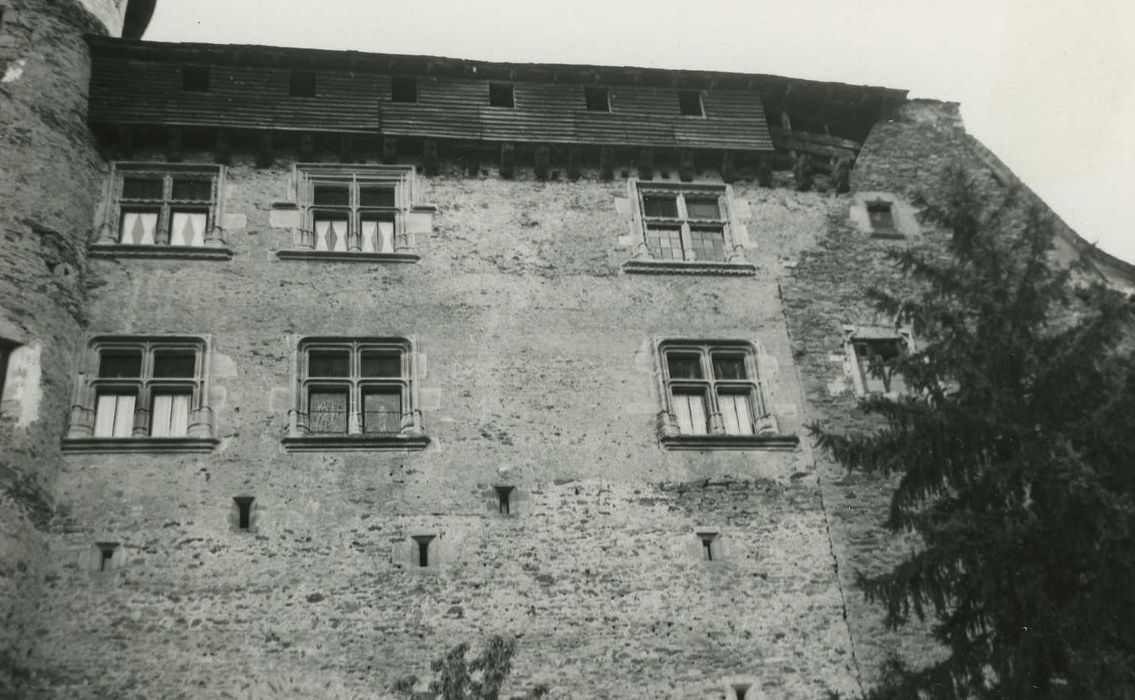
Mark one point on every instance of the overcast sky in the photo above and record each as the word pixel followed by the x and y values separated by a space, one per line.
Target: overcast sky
pixel 1048 85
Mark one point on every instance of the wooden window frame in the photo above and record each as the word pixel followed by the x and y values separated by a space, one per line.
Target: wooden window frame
pixel 733 260
pixel 145 387
pixel 301 435
pixel 764 431
pixel 116 206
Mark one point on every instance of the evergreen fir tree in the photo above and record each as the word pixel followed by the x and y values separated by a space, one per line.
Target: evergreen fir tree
pixel 1015 452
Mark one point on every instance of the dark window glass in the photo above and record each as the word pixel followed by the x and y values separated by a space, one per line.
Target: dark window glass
pixel 120 363
pixel 142 188
pixel 684 366
pixel 327 411
pixel 403 90
pixel 332 195
pixel 689 103
pixel 598 99
pixel 301 83
pixel 328 363
pixel 381 363
pixel 500 95
pixel 882 219
pixel 382 411
pixel 703 208
pixel 729 367
pixel 654 205
pixel 192 190
pixel 195 78
pixel 376 196
pixel 175 364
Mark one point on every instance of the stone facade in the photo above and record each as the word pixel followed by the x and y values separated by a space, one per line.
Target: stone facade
pixel 536 368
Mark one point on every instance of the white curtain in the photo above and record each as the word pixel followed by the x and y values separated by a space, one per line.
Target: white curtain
pixel 331 234
pixel 114 415
pixel 689 409
pixel 138 228
pixel 188 229
pixel 736 414
pixel 170 415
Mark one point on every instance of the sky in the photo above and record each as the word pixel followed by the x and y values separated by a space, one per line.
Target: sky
pixel 1048 85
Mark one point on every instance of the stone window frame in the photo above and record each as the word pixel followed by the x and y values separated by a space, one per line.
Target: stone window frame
pixel 904 222
pixel 200 432
pixel 766 432
pixel 853 335
pixel 411 436
pixel 735 262
pixel 407 217
pixel 110 218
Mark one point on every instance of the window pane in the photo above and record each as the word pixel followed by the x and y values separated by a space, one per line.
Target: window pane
pixel 382 411
pixel 114 415
pixel 330 233
pixel 729 367
pixel 376 196
pixel 377 235
pixel 684 365
pixel 142 188
pixel 736 414
pixel 175 363
pixel 689 411
pixel 332 195
pixel 169 416
pixel 138 227
pixel 327 412
pixel 708 244
pixel 660 205
pixel 188 228
pixel 328 363
pixel 120 363
pixel 703 208
pixel 195 190
pixel 381 363
pixel 664 243
pixel 881 217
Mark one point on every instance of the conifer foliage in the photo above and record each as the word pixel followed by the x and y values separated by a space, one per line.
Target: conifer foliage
pixel 1014 448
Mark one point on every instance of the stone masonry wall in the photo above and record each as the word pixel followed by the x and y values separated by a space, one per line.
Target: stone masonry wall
pixel 49 174
pixel 537 371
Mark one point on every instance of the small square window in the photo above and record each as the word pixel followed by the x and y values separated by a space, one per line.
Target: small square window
pixel 881 216
pixel 500 95
pixel 195 78
pixel 598 99
pixel 403 90
pixel 301 83
pixel 875 360
pixel 689 103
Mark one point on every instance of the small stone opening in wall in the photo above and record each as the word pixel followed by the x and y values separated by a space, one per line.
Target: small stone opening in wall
pixel 195 78
pixel 301 83
pixel 881 216
pixel 504 496
pixel 244 511
pixel 740 690
pixel 708 544
pixel 423 542
pixel 106 554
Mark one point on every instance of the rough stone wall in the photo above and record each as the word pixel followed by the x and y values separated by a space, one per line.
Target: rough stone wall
pixel 49 174
pixel 536 371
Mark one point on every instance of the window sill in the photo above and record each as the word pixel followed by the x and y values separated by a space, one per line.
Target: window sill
pixel 681 267
pixel 338 256
pixel 115 250
pixel 775 442
pixel 348 443
pixel 145 445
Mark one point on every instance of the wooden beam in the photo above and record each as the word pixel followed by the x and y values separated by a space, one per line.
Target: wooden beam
pixel 542 158
pixel 814 138
pixel 646 163
pixel 125 138
pixel 174 147
pixel 728 166
pixel 307 147
pixel 605 167
pixel 573 171
pixel 685 165
pixel 222 152
pixel 764 169
pixel 841 176
pixel 429 157
pixel 266 152
pixel 803 172
pixel 508 160
pixel 347 147
pixel 389 149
